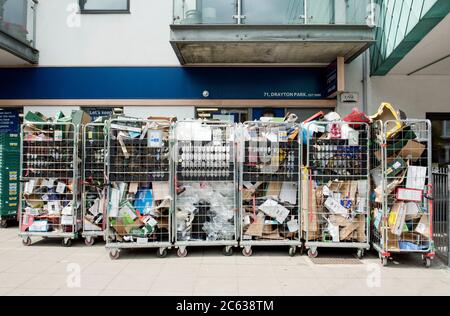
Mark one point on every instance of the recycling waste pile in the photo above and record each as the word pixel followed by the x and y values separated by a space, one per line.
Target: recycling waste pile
pixel 50 191
pixel 332 181
pixel 270 200
pixel 402 186
pixel 335 183
pixel 139 175
pixel 206 186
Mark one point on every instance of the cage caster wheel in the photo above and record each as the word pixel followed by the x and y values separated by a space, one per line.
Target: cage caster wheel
pixel 26 241
pixel 360 254
pixel 3 223
pixel 161 253
pixel 114 254
pixel 67 242
pixel 89 241
pixel 292 251
pixel 313 253
pixel 427 262
pixel 227 251
pixel 182 253
pixel 384 261
pixel 247 252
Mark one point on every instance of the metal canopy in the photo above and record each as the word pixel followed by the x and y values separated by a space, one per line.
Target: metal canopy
pixel 18 48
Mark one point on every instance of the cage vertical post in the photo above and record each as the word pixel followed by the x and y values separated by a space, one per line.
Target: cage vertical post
pixel 139 177
pixel 206 212
pixel 270 156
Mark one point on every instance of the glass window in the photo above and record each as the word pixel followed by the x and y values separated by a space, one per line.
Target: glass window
pixel 105 6
pixel 274 12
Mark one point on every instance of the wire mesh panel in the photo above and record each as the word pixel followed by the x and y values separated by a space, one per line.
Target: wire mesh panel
pixel 139 184
pixel 9 177
pixel 94 188
pixel 50 195
pixel 270 155
pixel 408 189
pixel 206 185
pixel 337 179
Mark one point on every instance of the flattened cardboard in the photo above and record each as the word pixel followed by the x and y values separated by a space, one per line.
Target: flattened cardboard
pixel 412 151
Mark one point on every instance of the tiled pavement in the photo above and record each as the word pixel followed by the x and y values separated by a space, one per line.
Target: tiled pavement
pixel 46 268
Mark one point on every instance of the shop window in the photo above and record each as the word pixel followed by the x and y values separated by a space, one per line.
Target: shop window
pixel 446 129
pixel 104 6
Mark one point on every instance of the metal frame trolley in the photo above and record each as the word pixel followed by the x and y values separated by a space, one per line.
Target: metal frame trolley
pixel 94 190
pixel 50 179
pixel 206 212
pixel 140 182
pixel 270 155
pixel 402 208
pixel 337 181
pixel 9 177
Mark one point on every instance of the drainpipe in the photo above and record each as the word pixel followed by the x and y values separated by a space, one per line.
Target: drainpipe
pixel 365 81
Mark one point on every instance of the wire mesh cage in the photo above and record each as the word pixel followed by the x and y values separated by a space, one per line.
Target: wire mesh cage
pixel 50 195
pixel 9 177
pixel 94 194
pixel 206 185
pixel 403 184
pixel 337 178
pixel 270 155
pixel 140 181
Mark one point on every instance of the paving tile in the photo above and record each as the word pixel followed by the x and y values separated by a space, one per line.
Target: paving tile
pixel 14 279
pixel 31 292
pixel 46 281
pixel 216 285
pixel 76 292
pixel 169 284
pixel 132 283
pixel 122 293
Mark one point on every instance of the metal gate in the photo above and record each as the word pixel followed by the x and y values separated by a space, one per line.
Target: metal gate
pixel 139 176
pixel 441 204
pixel 206 186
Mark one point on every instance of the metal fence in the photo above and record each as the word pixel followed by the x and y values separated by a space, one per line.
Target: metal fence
pixel 441 206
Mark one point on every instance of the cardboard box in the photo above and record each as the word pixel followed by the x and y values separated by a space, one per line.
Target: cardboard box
pixel 423 227
pixel 412 151
pixel 397 218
